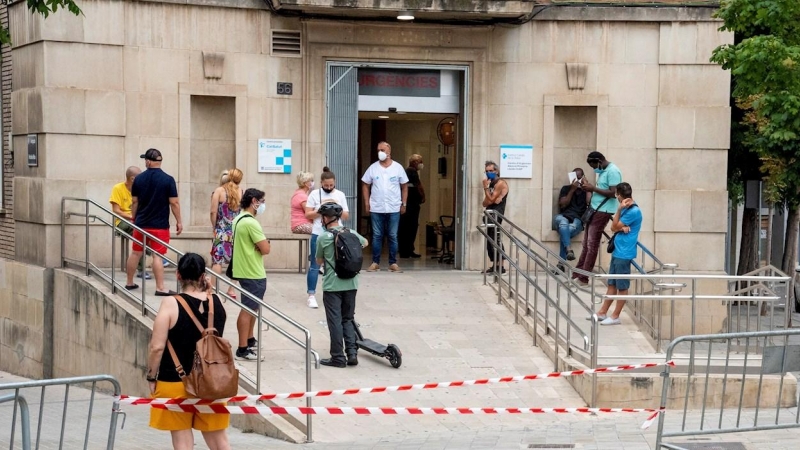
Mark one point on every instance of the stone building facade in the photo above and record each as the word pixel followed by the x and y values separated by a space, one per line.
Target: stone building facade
pixel 197 79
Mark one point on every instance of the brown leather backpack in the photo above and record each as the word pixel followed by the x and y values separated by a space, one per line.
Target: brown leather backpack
pixel 213 375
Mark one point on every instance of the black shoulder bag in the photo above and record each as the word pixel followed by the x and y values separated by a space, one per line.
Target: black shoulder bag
pixel 586 217
pixel 229 270
pixel 611 246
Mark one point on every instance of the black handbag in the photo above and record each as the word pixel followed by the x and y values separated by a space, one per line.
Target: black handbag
pixel 586 217
pixel 229 269
pixel 611 246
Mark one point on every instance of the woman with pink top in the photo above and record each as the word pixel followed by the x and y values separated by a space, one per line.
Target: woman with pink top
pixel 302 225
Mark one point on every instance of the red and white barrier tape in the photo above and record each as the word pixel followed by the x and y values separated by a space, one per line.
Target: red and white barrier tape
pixel 407 387
pixel 367 410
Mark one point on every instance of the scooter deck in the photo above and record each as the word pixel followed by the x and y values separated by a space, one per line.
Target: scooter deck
pixel 372 346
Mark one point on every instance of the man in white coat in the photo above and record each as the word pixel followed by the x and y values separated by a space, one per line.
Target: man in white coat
pixel 385 191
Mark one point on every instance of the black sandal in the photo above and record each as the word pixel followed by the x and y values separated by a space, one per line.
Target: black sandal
pixel 166 294
pixel 131 286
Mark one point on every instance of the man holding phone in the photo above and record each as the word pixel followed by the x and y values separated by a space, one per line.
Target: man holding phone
pixel 572 202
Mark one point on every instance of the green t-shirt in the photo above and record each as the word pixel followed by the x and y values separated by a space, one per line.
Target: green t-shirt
pixel 611 176
pixel 325 250
pixel 248 262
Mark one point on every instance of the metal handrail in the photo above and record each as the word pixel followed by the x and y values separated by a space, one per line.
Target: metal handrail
pixel 218 279
pixel 664 285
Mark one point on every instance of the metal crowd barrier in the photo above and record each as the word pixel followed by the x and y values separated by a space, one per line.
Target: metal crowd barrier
pixel 44 419
pixel 105 218
pixel 720 390
pixel 760 305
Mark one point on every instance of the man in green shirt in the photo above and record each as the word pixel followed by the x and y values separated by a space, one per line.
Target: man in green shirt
pixel 339 295
pixel 249 247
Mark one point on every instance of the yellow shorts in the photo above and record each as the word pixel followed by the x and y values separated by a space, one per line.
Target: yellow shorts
pixel 173 421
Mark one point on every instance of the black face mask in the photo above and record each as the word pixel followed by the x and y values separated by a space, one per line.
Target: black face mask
pixel 328 191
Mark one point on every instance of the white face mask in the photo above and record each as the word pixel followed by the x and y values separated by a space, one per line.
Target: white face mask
pixel 311 185
pixel 382 155
pixel 420 166
pixel 261 208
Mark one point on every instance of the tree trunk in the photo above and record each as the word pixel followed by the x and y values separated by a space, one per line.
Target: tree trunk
pixel 748 255
pixel 789 262
pixel 768 257
pixel 770 213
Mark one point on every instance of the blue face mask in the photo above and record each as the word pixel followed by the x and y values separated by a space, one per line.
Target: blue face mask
pixel 491 175
pixel 598 171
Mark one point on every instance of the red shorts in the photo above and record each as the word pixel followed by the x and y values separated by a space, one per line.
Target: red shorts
pixel 151 244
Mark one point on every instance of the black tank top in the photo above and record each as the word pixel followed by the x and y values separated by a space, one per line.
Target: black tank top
pixel 184 335
pixel 499 207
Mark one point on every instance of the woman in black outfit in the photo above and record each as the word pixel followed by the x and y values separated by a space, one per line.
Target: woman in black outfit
pixel 173 323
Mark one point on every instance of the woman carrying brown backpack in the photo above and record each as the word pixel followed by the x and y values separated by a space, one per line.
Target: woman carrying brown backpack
pixel 175 325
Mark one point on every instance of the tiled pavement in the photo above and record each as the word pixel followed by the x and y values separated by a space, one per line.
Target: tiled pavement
pixel 449 328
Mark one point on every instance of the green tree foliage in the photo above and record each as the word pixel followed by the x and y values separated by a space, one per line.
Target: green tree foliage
pixel 766 70
pixel 765 65
pixel 45 8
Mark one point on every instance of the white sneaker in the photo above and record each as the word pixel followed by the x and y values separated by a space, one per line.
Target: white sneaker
pixel 611 321
pixel 312 302
pixel 600 318
pixel 247 355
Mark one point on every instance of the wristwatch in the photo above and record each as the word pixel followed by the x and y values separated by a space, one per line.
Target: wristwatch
pixel 404 204
pixel 150 379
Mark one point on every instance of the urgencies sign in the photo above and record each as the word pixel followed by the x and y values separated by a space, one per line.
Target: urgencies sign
pixel 399 82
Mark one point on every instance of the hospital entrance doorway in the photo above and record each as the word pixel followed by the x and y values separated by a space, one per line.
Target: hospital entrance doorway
pixel 417 109
pixel 432 243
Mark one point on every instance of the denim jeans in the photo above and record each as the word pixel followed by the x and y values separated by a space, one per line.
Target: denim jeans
pixel 384 224
pixel 312 275
pixel 566 231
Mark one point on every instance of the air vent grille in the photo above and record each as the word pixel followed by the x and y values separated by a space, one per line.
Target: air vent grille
pixel 286 43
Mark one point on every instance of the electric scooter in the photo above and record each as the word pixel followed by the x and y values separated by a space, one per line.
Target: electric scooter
pixel 390 352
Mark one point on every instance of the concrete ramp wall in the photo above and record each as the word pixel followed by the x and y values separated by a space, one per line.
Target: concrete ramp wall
pixel 55 323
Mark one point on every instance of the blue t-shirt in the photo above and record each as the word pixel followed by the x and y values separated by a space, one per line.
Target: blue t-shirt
pixel 625 243
pixel 153 188
pixel 610 176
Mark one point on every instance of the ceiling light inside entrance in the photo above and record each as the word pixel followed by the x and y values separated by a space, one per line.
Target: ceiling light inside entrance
pixel 383 117
pixel 405 15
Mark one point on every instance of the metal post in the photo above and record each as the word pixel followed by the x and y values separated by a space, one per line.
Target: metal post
pixel 485 238
pixel 24 417
pixel 694 320
pixel 63 228
pixel 527 283
pixel 144 278
pixel 594 356
pixel 672 311
pixel 258 361
pixel 516 288
pixel 309 437
pixel 113 257
pixel 536 307
pixel 88 272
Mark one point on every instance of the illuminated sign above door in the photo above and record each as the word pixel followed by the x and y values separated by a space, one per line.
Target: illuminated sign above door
pixel 399 82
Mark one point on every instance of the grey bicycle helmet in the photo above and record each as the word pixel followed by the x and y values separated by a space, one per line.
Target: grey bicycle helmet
pixel 330 210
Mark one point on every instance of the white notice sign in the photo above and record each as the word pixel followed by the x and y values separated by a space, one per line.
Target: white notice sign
pixel 516 161
pixel 275 155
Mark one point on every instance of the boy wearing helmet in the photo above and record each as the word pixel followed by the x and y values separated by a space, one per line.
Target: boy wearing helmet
pixel 339 295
